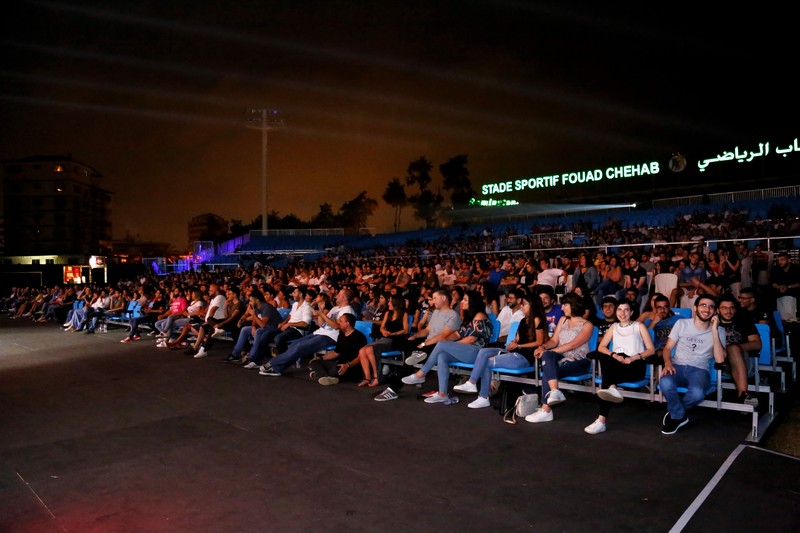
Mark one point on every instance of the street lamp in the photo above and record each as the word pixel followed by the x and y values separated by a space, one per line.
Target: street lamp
pixel 265 120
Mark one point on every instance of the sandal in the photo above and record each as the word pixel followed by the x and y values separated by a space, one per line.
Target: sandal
pixel 365 382
pixel 373 382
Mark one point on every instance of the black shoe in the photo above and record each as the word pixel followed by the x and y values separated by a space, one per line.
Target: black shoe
pixel 748 400
pixel 670 426
pixel 231 359
pixel 191 351
pixel 89 332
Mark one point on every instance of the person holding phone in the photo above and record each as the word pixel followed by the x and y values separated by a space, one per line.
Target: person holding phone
pixel 695 340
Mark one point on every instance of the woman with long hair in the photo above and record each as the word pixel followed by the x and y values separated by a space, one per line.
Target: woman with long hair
pixel 564 354
pixel 491 298
pixel 394 331
pixel 474 333
pixel 518 353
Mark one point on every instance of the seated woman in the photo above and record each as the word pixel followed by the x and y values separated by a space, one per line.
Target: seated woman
pixel 393 330
pixel 563 355
pixel 474 333
pixel 518 353
pixel 631 346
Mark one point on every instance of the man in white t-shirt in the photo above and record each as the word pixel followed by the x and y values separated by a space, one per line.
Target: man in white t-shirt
pixel 550 276
pixel 696 340
pixel 510 313
pixel 323 337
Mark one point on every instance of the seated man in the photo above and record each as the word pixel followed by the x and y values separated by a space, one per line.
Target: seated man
pixel 326 335
pixel 662 323
pixel 296 324
pixel 608 316
pixel 510 313
pixel 742 341
pixel 696 340
pixel 263 318
pixel 443 324
pixel 329 368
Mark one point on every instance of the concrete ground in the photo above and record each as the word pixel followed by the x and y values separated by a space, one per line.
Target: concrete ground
pixel 98 436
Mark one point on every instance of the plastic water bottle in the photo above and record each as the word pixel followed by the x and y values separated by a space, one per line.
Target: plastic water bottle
pixel 450 400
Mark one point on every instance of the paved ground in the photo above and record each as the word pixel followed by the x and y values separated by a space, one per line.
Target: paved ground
pixel 100 436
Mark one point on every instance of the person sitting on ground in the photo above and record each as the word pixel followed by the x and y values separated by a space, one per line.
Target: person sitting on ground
pixel 632 345
pixel 564 354
pixel 518 353
pixel 474 333
pixel 324 336
pixel 330 368
pixel 696 340
pixel 393 332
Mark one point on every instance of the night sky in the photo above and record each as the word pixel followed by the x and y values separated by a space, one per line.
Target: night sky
pixel 154 94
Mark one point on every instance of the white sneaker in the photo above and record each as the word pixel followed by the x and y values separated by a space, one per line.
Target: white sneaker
pixel 598 426
pixel 555 397
pixel 250 365
pixel 437 398
pixel 467 388
pixel 162 335
pixel 416 357
pixel 218 333
pixel 201 353
pixel 610 394
pixel 540 415
pixel 479 403
pixel 413 379
pixel 162 344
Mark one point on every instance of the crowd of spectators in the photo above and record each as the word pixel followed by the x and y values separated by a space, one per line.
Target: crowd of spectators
pixel 448 293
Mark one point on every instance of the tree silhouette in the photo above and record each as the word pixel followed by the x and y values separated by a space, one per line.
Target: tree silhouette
pixel 395 196
pixel 354 213
pixel 456 180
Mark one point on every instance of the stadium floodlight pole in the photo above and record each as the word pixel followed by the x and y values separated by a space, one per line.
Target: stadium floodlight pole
pixel 265 120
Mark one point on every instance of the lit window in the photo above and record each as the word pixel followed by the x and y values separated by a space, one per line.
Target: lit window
pixel 58 168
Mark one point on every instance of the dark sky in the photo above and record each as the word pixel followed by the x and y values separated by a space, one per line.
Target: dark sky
pixel 155 94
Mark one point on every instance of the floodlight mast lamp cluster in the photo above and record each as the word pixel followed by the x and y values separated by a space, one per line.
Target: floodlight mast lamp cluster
pixel 264 120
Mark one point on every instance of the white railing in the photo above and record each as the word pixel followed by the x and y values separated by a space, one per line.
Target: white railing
pixel 791 191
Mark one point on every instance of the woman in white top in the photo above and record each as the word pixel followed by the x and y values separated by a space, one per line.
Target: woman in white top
pixel 621 353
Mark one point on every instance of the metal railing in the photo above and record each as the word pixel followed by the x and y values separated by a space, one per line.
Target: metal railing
pixel 791 191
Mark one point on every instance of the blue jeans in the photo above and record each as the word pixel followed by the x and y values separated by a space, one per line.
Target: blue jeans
pixel 282 338
pixel 554 366
pixel 308 345
pixel 694 379
pixel 446 352
pixel 260 343
pixel 242 341
pixel 489 358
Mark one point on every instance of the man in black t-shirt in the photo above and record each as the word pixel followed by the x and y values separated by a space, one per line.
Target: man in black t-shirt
pixel 742 342
pixel 328 369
